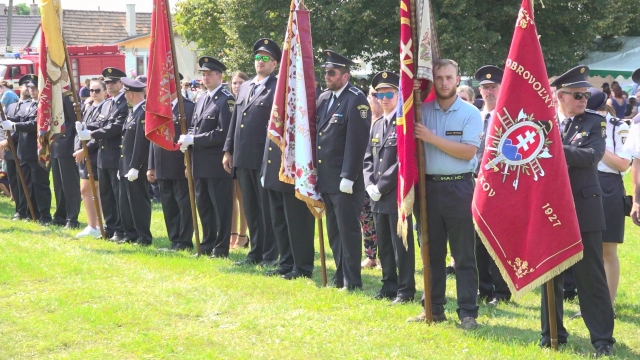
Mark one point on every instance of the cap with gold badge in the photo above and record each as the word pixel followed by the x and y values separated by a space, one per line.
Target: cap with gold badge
pixel 336 61
pixel 385 79
pixel 489 74
pixel 212 64
pixel 28 80
pixel 269 46
pixel 574 78
pixel 112 74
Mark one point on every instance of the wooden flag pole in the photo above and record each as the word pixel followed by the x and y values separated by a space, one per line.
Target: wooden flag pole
pixel 551 306
pixel 27 194
pixel 183 130
pixel 323 264
pixel 422 184
pixel 85 150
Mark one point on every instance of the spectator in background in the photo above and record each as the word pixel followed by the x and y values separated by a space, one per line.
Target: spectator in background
pixel 632 108
pixel 617 100
pixel 186 92
pixel 362 84
pixel 606 89
pixel 8 96
pixel 466 93
pixel 83 93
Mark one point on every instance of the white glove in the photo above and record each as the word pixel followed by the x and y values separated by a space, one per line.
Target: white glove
pixel 132 175
pixel 7 125
pixel 346 186
pixel 84 135
pixel 185 140
pixel 374 193
pixel 262 181
pixel 118 174
pixel 80 126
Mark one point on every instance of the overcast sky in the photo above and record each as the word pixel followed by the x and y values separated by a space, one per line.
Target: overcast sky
pixel 109 5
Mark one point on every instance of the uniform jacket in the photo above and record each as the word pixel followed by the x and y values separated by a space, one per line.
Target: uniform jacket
pixel 271 169
pixel 14 113
pixel 248 131
pixel 381 166
pixel 134 153
pixel 64 143
pixel 93 117
pixel 27 133
pixel 342 137
pixel 584 147
pixel 170 164
pixel 210 126
pixel 110 132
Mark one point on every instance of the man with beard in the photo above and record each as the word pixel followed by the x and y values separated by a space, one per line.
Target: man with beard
pixel 343 122
pixel 492 287
pixel 450 130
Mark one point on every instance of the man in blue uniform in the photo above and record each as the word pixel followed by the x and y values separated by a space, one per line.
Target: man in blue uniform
pixel 450 130
pixel 381 181
pixel 208 133
pixel 583 139
pixel 343 120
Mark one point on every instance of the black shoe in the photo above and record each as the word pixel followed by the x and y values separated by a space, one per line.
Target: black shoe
pixel 292 275
pixel 142 243
pixel 469 323
pixel 401 300
pixel 116 238
pixel 604 350
pixel 545 342
pixel 351 288
pixel 246 262
pixel 450 270
pixel 71 225
pixel 126 240
pixel 381 296
pixel 219 256
pixel 17 217
pixel 58 223
pixel 277 272
pixel 570 295
pixel 268 263
pixel 45 222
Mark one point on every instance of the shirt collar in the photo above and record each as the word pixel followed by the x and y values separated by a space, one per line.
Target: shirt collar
pixel 561 117
pixel 210 93
pixel 339 92
pixel 390 116
pixel 260 82
pixel 98 104
pixel 137 106
pixel 455 106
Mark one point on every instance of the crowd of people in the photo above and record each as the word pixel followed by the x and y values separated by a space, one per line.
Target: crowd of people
pixel 237 187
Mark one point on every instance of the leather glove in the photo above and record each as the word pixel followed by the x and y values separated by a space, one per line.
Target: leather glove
pixel 7 125
pixel 186 140
pixel 373 192
pixel 84 135
pixel 80 126
pixel 346 186
pixel 132 175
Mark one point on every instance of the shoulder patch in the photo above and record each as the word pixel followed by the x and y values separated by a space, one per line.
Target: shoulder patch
pixel 226 92
pixel 364 109
pixel 603 124
pixel 355 90
pixel 231 104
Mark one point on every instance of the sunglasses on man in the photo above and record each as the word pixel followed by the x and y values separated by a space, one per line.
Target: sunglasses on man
pixel 264 58
pixel 578 95
pixel 388 95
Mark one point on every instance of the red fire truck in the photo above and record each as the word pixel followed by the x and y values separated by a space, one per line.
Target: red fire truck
pixel 13 69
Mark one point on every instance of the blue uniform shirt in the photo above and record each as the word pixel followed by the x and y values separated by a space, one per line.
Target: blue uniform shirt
pixel 461 123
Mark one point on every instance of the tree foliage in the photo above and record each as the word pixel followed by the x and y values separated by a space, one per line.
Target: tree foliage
pixel 23 9
pixel 473 32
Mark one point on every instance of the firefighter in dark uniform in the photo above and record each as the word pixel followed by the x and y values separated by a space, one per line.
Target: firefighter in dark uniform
pixel 134 201
pixel 109 137
pixel 208 133
pixel 13 113
pixel 381 182
pixel 66 179
pixel 343 119
pixel 292 221
pixel 36 177
pixel 168 170
pixel 491 288
pixel 583 139
pixel 244 150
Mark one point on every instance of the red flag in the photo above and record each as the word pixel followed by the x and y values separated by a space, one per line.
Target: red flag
pixel 293 114
pixel 410 69
pixel 161 81
pixel 523 207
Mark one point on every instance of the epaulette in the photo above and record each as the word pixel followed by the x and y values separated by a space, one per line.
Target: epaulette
pixel 615 121
pixel 593 112
pixel 226 92
pixel 356 91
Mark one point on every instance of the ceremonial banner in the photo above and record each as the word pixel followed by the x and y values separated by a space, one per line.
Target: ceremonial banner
pixel 53 81
pixel 292 124
pixel 523 207
pixel 406 143
pixel 161 81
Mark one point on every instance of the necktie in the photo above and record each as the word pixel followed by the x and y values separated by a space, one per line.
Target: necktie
pixel 333 98
pixel 385 126
pixel 567 125
pixel 253 90
pixel 207 100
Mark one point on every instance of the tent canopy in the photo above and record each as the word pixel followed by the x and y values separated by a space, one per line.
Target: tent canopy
pixel 620 65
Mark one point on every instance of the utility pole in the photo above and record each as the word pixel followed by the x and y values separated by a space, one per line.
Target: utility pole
pixel 8 48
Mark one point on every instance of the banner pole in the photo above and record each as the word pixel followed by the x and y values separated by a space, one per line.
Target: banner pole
pixel 85 150
pixel 12 146
pixel 551 306
pixel 183 130
pixel 323 264
pixel 422 186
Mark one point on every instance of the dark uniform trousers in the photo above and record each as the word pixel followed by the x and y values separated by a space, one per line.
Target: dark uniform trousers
pixel 66 187
pixel 449 217
pixel 176 206
pixel 491 283
pixel 246 140
pixel 21 206
pixel 393 255
pixel 109 189
pixel 135 204
pixel 37 180
pixel 214 201
pixel 582 155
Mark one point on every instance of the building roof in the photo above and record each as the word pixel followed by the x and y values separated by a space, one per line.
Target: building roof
pixel 88 27
pixel 24 26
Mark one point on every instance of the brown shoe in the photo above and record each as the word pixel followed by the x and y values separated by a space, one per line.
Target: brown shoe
pixel 368 263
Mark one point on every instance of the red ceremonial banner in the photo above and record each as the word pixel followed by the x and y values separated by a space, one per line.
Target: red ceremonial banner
pixel 523 207
pixel 161 81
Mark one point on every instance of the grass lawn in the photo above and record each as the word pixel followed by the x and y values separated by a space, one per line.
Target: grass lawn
pixel 64 298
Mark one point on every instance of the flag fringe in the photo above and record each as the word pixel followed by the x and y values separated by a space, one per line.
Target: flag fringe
pixel 518 293
pixel 312 204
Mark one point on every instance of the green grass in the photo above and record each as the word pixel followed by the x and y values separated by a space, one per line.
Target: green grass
pixel 64 298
